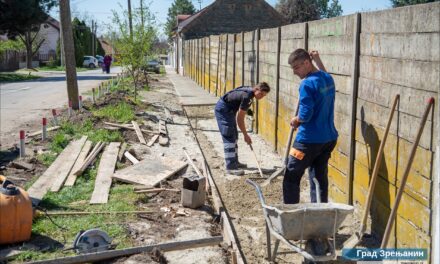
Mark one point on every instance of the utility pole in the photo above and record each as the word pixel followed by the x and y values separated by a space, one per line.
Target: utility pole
pixel 61 44
pixel 130 24
pixel 69 52
pixel 93 38
pixel 142 14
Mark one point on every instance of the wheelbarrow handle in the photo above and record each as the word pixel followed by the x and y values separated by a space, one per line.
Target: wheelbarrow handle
pixel 258 189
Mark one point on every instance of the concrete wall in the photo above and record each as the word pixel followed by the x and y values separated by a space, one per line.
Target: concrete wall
pixel 370 64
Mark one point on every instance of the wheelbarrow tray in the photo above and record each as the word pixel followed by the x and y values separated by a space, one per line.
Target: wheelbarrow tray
pixel 306 220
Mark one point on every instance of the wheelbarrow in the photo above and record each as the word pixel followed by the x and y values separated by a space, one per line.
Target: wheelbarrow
pixel 294 224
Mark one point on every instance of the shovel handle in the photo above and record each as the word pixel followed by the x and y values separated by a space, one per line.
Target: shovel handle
pixel 393 213
pixel 377 167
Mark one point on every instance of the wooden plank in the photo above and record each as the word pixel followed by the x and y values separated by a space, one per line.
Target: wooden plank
pixel 67 166
pixel 41 131
pixel 90 158
pixel 163 134
pixel 150 172
pixel 152 140
pixel 79 162
pixel 22 165
pixel 44 182
pixel 131 158
pixel 104 176
pixel 138 132
pixel 108 254
pixel 122 151
pixel 127 126
pixel 156 190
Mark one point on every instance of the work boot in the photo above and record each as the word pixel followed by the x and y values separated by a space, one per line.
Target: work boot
pixel 235 172
pixel 241 165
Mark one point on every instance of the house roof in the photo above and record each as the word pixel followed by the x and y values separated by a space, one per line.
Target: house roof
pixel 191 18
pixel 53 22
pixel 223 16
pixel 180 18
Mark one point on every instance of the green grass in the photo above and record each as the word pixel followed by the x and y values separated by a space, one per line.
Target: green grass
pixel 121 112
pixel 69 131
pixel 76 198
pixel 16 77
pixel 61 68
pixel 162 70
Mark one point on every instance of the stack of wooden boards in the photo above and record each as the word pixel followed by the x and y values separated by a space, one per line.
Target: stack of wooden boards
pixel 161 133
pixel 76 157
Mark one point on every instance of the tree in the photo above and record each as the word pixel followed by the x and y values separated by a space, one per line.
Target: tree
pixel 82 37
pixel 398 3
pixel 297 11
pixel 179 7
pixel 22 19
pixel 134 49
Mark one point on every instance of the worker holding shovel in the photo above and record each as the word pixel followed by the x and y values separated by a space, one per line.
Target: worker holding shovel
pixel 230 111
pixel 317 135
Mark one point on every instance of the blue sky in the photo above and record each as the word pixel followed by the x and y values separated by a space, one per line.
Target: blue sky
pixel 100 10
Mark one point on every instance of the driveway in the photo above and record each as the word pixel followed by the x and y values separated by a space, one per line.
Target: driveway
pixel 24 104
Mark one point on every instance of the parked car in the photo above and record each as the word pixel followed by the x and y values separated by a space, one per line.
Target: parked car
pixel 100 60
pixel 153 66
pixel 90 61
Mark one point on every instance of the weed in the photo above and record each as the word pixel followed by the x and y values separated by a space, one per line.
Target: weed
pixel 121 112
pixel 121 198
pixel 16 77
pixel 47 158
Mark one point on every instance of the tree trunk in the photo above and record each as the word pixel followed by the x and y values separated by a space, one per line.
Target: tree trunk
pixel 28 45
pixel 69 53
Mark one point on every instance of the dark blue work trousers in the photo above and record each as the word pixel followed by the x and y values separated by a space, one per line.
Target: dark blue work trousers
pixel 315 158
pixel 227 125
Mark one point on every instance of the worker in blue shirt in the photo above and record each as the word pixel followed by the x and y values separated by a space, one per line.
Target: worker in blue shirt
pixel 230 110
pixel 317 135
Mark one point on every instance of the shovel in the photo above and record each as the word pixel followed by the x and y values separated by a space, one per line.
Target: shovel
pixel 258 163
pixel 357 236
pixel 412 154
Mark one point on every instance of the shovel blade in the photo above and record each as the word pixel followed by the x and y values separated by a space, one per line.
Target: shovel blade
pixel 273 176
pixel 353 241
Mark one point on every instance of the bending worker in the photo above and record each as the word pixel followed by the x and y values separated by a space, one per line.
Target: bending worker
pixel 230 110
pixel 317 135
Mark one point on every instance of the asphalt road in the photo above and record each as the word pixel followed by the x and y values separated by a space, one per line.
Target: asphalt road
pixel 24 104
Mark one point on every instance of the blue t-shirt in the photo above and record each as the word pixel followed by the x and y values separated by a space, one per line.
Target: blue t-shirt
pixel 316 109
